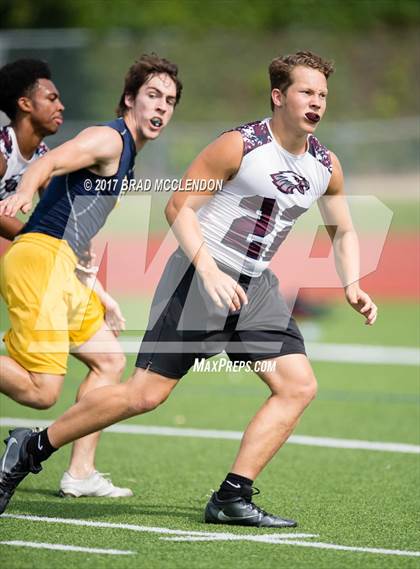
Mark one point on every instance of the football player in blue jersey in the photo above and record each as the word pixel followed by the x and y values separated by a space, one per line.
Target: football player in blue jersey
pixel 50 309
pixel 32 102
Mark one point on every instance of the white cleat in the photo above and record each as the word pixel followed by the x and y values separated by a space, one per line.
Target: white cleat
pixel 95 485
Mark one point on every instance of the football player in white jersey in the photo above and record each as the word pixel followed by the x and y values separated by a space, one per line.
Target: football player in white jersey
pixel 216 292
pixel 32 102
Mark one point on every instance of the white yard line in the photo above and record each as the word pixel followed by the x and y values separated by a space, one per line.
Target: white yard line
pixel 324 442
pixel 199 536
pixel 318 352
pixel 275 539
pixel 378 551
pixel 363 354
pixel 321 352
pixel 62 547
pixel 143 529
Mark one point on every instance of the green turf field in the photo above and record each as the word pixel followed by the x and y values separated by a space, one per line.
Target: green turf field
pixel 356 498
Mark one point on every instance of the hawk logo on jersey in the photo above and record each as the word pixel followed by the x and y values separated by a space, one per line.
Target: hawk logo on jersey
pixel 288 181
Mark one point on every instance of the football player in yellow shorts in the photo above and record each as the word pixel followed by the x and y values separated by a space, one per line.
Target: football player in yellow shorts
pixel 32 102
pixel 50 310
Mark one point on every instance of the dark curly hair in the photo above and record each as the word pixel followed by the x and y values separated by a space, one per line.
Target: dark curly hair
pixel 145 67
pixel 17 79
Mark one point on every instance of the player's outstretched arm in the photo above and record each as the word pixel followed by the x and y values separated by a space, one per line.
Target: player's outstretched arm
pixel 337 218
pixel 95 147
pixel 218 161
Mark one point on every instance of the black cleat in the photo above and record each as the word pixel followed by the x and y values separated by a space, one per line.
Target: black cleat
pixel 15 464
pixel 243 512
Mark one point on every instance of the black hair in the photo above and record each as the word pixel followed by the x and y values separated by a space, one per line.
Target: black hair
pixel 17 79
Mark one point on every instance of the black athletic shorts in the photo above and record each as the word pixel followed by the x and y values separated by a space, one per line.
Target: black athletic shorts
pixel 185 324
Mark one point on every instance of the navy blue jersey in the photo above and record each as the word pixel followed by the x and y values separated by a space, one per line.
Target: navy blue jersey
pixel 76 205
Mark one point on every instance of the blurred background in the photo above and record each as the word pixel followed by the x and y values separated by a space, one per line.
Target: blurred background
pixel 368 377
pixel 223 49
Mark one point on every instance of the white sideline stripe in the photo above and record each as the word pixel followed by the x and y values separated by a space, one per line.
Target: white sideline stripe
pixel 320 545
pixel 147 529
pixel 264 537
pixel 182 535
pixel 318 352
pixel 233 435
pixel 362 354
pixel 62 547
pixel 274 539
pixel 324 442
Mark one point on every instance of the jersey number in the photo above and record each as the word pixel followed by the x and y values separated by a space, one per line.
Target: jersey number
pixel 246 234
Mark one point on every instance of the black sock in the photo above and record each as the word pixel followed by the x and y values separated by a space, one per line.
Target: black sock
pixel 235 485
pixel 39 446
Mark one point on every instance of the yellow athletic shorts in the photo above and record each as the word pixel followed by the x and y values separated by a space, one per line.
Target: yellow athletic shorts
pixel 50 310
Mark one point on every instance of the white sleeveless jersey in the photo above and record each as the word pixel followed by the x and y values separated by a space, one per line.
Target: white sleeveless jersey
pixel 16 163
pixel 246 221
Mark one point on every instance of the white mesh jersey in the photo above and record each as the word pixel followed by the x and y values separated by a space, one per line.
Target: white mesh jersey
pixel 16 163
pixel 246 221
